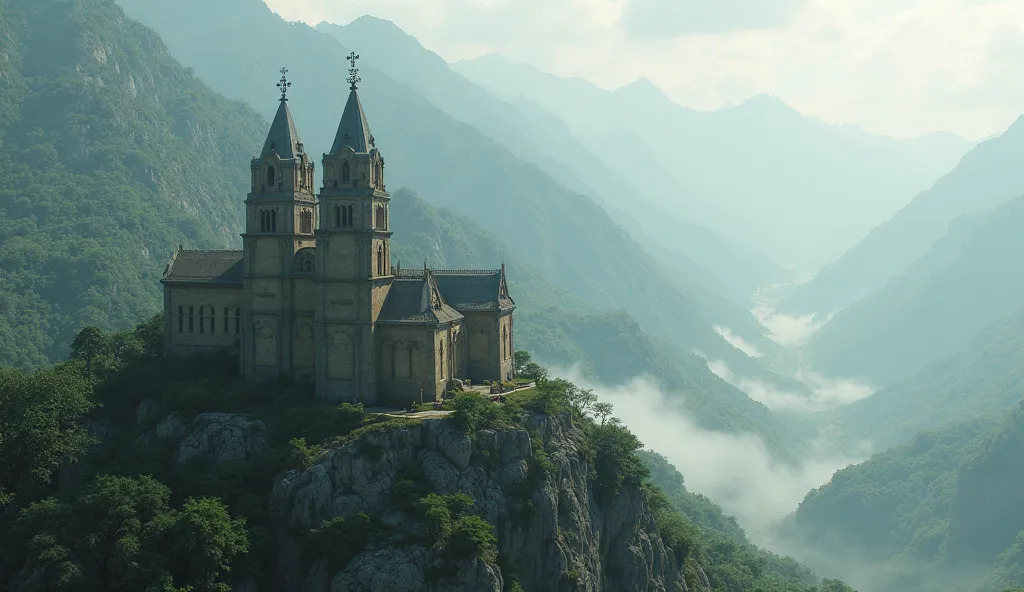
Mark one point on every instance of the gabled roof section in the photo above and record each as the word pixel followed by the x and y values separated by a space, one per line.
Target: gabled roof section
pixel 469 291
pixel 204 267
pixel 412 301
pixel 283 137
pixel 354 130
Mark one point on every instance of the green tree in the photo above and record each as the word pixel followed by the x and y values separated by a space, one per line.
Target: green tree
pixel 120 535
pixel 151 333
pixel 42 424
pixel 90 343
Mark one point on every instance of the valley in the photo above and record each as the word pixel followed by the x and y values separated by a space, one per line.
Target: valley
pixel 762 350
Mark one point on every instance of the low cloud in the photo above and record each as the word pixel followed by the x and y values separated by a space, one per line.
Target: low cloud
pixel 734 470
pixel 791 332
pixel 825 393
pixel 668 18
pixel 738 342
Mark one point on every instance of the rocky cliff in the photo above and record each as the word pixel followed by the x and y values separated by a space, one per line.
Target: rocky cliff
pixel 553 532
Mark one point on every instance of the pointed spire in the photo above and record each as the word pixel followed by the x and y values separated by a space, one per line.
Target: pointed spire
pixel 283 137
pixel 354 130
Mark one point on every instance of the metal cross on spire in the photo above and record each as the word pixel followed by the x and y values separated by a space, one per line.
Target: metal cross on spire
pixel 284 85
pixel 353 72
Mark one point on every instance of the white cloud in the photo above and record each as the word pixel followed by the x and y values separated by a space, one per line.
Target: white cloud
pixel 825 393
pixel 734 470
pixel 901 67
pixel 738 342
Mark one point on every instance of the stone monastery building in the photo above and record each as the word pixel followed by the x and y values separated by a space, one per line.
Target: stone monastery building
pixel 313 294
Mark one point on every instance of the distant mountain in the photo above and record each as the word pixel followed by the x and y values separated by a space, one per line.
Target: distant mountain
pixel 989 175
pixel 535 135
pixel 814 189
pixel 971 277
pixel 564 236
pixel 112 154
pixel 984 378
pixel 941 513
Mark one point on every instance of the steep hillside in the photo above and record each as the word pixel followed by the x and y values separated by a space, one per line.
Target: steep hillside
pixel 559 329
pixel 564 236
pixel 939 514
pixel 804 182
pixel 112 154
pixel 536 136
pixel 987 176
pixel 935 308
pixel 986 377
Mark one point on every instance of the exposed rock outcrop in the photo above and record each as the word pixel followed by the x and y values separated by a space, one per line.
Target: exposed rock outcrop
pixel 222 437
pixel 552 533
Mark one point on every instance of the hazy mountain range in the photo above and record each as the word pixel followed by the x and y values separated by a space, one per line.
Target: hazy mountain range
pixel 779 181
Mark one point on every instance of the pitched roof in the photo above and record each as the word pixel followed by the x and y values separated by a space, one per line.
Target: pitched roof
pixel 409 301
pixel 354 130
pixel 206 267
pixel 283 137
pixel 473 290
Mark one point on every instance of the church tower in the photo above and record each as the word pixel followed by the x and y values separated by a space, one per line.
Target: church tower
pixel 353 248
pixel 279 237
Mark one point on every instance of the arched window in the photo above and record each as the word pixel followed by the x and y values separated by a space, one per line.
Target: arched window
pixel 181 319
pixel 306 222
pixel 346 172
pixel 380 259
pixel 387 260
pixel 191 325
pixel 441 348
pixel 238 320
pixel 351 218
pixel 271 181
pixel 227 325
pixel 337 216
pixel 273 220
pixel 304 261
pixel 207 319
pixel 504 343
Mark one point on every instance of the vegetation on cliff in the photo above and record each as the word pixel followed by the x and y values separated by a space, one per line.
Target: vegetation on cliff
pixel 95 524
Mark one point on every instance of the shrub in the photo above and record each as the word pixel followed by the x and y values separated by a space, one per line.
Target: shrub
pixel 340 539
pixel 472 536
pixel 474 412
pixel 616 462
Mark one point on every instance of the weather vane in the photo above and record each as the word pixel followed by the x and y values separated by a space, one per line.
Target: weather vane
pixel 353 72
pixel 284 85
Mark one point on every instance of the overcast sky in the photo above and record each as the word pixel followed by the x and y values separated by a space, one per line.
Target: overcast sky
pixel 897 67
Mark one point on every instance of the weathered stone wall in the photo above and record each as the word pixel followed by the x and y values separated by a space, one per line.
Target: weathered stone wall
pixel 185 337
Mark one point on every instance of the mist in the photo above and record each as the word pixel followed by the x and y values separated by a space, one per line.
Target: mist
pixel 825 394
pixel 734 470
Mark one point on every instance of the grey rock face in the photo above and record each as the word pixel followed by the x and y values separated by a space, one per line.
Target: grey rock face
pixel 222 437
pixel 173 426
pixel 552 536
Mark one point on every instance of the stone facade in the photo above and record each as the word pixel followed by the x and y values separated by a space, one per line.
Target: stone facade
pixel 313 294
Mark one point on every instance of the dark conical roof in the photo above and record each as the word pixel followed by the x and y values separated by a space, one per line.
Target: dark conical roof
pixel 283 137
pixel 354 131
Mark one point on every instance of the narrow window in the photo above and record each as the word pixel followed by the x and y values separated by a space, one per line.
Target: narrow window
pixel 442 358
pixel 380 260
pixel 271 181
pixel 191 321
pixel 238 320
pixel 227 312
pixel 306 222
pixel 181 319
pixel 213 320
pixel 346 172
pixel 504 343
pixel 273 220
pixel 351 218
pixel 337 216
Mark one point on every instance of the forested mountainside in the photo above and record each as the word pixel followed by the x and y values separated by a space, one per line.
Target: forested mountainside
pixel 154 477
pixel 112 154
pixel 802 181
pixel 941 513
pixel 540 138
pixel 984 378
pixel 145 157
pixel 987 176
pixel 969 278
pixel 564 236
pixel 559 329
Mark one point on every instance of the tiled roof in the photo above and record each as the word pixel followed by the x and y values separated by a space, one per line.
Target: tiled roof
pixel 354 130
pixel 409 301
pixel 283 137
pixel 473 291
pixel 207 267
